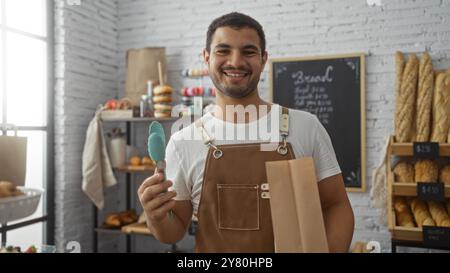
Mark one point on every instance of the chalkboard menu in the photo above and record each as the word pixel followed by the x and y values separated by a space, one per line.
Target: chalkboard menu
pixel 332 88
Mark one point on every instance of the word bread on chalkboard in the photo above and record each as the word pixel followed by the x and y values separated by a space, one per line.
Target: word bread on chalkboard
pixel 332 88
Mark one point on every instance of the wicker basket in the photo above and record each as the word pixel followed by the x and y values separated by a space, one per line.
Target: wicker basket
pixel 15 208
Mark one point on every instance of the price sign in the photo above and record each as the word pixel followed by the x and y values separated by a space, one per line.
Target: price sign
pixel 428 150
pixel 430 191
pixel 436 236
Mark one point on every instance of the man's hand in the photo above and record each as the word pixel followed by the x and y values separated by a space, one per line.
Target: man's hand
pixel 155 198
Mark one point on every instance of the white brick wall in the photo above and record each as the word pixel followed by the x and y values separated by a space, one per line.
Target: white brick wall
pixel 86 71
pixel 92 40
pixel 301 28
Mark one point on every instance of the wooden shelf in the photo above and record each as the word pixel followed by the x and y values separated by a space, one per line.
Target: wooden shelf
pixel 410 189
pixel 132 169
pixel 139 119
pixel 135 228
pixel 406 149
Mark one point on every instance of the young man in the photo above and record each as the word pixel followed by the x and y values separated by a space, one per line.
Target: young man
pixel 219 179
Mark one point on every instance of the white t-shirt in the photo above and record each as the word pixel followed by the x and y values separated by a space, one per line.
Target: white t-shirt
pixel 186 153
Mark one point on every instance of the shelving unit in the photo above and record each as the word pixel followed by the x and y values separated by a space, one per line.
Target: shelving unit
pixel 405 236
pixel 132 229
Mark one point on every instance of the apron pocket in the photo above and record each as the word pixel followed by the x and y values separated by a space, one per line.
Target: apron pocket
pixel 238 206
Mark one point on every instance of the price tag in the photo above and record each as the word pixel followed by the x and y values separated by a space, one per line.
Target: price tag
pixel 428 150
pixel 431 191
pixel 436 236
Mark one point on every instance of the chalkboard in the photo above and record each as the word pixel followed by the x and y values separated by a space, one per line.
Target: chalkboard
pixel 332 88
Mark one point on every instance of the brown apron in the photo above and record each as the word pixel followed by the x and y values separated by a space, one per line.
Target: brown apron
pixel 234 211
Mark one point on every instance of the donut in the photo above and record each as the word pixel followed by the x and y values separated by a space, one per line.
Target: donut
pixel 162 89
pixel 163 114
pixel 162 107
pixel 159 99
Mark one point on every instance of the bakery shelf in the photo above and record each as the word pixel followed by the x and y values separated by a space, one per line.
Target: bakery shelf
pixel 410 189
pixel 132 169
pixel 135 228
pixel 406 149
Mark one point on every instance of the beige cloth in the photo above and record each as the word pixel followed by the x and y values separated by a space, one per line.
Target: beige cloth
pixel 96 167
pixel 378 192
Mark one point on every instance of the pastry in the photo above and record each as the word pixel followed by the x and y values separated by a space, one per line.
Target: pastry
pixel 403 213
pixel 162 99
pixel 426 171
pixel 421 214
pixel 406 99
pixel 163 114
pixel 163 107
pixel 8 189
pixel 441 108
pixel 135 161
pixel 125 104
pixel 146 160
pixel 112 220
pixel 444 175
pixel 162 89
pixel 404 172
pixel 438 212
pixel 424 99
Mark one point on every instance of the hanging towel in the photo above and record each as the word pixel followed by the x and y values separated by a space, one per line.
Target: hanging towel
pixel 96 167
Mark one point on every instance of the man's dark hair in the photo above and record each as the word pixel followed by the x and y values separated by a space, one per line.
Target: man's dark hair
pixel 236 20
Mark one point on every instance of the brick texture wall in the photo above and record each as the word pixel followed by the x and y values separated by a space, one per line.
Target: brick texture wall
pixel 92 41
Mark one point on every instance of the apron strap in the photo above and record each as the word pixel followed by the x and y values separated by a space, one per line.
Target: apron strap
pixel 284 132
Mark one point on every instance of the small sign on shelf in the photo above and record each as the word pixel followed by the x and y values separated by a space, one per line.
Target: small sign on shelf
pixel 431 191
pixel 428 150
pixel 436 236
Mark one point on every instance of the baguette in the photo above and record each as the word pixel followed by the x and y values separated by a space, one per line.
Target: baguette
pixel 403 215
pixel 421 214
pixel 444 175
pixel 406 100
pixel 424 98
pixel 441 108
pixel 438 213
pixel 399 68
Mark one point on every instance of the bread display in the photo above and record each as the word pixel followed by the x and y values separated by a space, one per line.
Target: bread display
pixel 444 175
pixel 441 108
pixel 421 214
pixel 424 98
pixel 8 189
pixel 439 214
pixel 116 220
pixel 406 99
pixel 404 172
pixel 403 213
pixel 426 170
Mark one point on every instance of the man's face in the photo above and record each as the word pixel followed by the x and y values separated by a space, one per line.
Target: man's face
pixel 235 62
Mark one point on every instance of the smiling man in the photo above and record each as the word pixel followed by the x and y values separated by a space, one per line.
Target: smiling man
pixel 220 180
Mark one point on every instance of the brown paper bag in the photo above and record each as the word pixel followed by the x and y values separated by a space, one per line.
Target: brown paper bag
pixel 13 159
pixel 297 219
pixel 142 66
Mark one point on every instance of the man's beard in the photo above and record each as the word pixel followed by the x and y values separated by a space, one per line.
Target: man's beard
pixel 236 92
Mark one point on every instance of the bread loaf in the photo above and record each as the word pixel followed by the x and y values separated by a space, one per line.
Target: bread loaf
pixel 424 98
pixel 403 215
pixel 399 68
pixel 421 214
pixel 404 172
pixel 426 170
pixel 406 100
pixel 438 213
pixel 441 108
pixel 444 175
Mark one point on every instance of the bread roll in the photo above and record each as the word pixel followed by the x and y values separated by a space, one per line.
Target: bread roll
pixel 421 214
pixel 406 100
pixel 424 98
pixel 403 215
pixel 438 212
pixel 426 170
pixel 404 172
pixel 444 175
pixel 441 108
